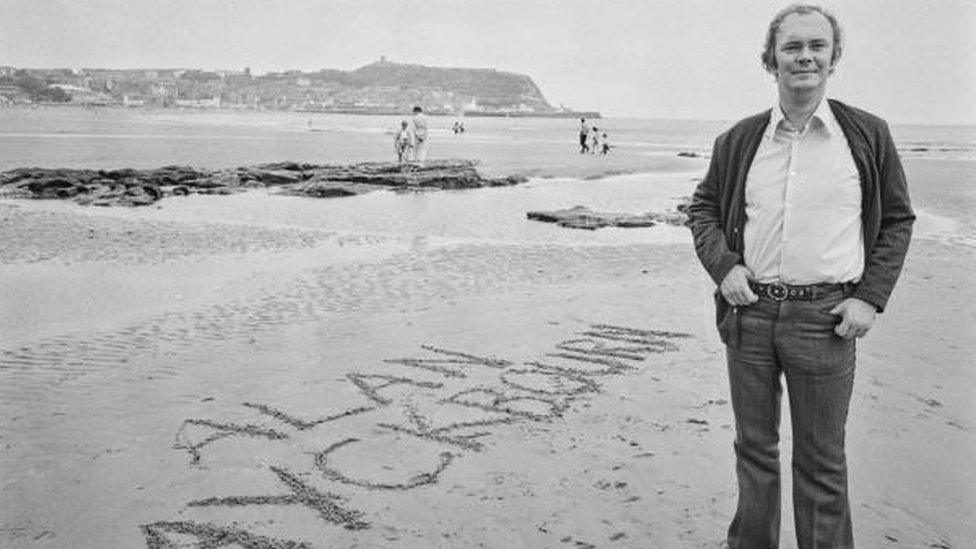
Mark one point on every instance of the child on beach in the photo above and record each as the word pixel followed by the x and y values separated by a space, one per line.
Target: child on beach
pixel 403 142
pixel 604 143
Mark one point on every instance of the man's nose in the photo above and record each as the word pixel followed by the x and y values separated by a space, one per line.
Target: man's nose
pixel 805 56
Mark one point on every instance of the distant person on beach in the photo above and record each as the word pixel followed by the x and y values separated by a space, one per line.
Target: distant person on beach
pixel 604 143
pixel 403 142
pixel 594 140
pixel 803 221
pixel 584 136
pixel 419 131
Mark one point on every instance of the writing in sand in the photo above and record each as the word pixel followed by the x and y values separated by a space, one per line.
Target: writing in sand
pixel 448 401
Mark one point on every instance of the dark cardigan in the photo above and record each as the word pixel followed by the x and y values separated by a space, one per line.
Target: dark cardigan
pixel 717 213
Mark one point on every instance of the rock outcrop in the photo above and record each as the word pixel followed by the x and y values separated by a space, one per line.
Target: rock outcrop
pixel 581 217
pixel 130 187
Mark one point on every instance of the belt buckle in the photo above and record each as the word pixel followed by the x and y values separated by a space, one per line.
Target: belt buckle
pixel 777 291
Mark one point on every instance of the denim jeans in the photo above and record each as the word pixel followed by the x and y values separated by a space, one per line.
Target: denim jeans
pixel 794 339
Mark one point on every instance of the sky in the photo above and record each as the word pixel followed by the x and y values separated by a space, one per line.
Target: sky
pixel 909 61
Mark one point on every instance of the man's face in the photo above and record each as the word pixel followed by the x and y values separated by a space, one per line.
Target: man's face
pixel 804 47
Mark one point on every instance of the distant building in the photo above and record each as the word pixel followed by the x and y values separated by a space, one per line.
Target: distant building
pixel 129 101
pixel 212 103
pixel 164 89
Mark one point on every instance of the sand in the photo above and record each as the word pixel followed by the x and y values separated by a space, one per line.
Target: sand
pixel 271 372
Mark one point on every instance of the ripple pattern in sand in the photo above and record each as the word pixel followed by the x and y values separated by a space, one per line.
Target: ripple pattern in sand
pixel 401 282
pixel 69 236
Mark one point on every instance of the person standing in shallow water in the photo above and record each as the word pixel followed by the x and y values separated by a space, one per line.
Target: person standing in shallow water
pixel 803 221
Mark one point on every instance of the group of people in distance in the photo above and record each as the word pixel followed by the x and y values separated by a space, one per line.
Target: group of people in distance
pixel 410 141
pixel 592 140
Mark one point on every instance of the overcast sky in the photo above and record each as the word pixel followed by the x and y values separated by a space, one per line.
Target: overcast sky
pixel 906 60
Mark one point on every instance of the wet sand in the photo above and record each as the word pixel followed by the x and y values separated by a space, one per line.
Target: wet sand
pixel 275 372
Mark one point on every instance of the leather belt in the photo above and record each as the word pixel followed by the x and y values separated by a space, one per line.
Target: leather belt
pixel 778 291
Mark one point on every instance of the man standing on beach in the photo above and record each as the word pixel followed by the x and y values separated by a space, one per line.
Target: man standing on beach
pixel 418 128
pixel 803 221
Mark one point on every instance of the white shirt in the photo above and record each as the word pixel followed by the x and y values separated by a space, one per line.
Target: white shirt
pixel 803 204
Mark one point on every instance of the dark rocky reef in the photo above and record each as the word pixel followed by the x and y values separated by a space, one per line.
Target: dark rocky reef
pixel 130 187
pixel 581 217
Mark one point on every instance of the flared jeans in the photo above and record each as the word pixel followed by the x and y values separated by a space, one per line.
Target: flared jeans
pixel 767 341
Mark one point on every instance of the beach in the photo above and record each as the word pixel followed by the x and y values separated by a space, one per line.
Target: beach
pixel 429 369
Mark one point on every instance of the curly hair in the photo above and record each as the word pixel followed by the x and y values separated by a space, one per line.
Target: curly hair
pixel 769 53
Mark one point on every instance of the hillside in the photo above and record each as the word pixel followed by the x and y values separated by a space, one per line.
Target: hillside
pixel 378 87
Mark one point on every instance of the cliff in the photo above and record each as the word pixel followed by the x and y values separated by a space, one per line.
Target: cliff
pixel 473 88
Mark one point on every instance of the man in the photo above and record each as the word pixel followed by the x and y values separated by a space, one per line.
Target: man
pixel 803 221
pixel 419 130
